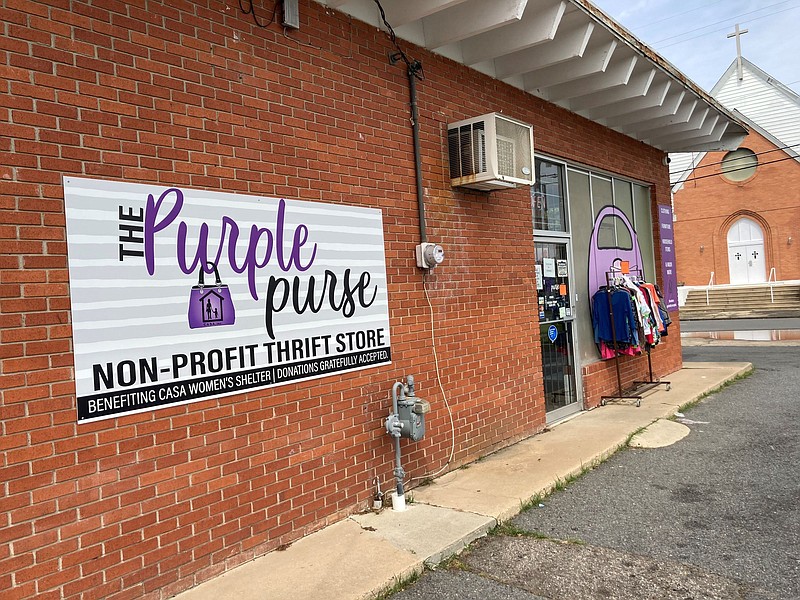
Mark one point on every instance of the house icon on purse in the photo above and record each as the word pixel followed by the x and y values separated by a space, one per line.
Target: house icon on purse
pixel 212 306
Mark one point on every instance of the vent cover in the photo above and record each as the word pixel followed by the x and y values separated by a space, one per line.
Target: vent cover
pixel 490 152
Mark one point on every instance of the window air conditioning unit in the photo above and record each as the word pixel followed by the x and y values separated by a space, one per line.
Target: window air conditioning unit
pixel 490 152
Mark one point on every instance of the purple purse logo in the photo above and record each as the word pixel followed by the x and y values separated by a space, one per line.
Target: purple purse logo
pixel 613 238
pixel 210 305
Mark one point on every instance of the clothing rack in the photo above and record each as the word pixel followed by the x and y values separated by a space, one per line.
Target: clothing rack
pixel 639 387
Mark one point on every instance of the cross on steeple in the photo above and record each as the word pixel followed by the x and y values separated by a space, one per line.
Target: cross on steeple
pixel 738 33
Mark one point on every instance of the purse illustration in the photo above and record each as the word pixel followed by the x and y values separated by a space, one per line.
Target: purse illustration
pixel 613 238
pixel 210 305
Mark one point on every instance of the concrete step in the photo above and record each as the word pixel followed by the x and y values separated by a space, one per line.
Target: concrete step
pixel 735 304
pixel 726 302
pixel 697 301
pixel 739 314
pixel 744 295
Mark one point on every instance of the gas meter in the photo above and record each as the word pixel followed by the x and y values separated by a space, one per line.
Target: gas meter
pixel 409 419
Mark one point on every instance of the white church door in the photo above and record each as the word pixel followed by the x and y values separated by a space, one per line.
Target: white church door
pixel 746 252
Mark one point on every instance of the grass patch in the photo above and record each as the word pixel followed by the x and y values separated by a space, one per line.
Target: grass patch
pixel 454 563
pixel 511 530
pixel 533 502
pixel 560 484
pixel 399 585
pixel 575 541
pixel 627 443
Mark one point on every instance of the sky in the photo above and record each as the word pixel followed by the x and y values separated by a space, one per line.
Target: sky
pixel 691 34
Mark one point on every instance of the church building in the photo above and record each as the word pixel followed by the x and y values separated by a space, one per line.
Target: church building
pixel 737 212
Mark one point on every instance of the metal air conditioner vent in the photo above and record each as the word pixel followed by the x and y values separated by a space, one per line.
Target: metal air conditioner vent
pixel 490 152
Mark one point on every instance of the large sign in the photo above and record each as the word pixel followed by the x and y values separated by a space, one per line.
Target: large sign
pixel 667 235
pixel 180 295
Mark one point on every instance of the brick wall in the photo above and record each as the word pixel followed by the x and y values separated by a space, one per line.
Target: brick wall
pixel 706 208
pixel 192 93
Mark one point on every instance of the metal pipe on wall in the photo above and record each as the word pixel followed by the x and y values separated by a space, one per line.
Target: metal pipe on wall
pixel 413 73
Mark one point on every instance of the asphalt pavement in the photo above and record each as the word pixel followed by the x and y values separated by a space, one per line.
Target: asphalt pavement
pixel 714 515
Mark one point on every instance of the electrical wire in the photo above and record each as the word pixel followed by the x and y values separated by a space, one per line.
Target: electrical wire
pixel 296 41
pixel 714 164
pixel 726 20
pixel 250 10
pixel 441 388
pixel 676 15
pixel 724 28
pixel 414 66
pixel 771 162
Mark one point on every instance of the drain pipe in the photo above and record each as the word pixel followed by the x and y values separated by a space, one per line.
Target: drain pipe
pixel 394 427
pixel 414 70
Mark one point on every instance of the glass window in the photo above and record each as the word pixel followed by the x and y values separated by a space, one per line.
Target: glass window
pixel 623 200
pixel 582 221
pixel 739 165
pixel 588 194
pixel 643 224
pixel 613 233
pixel 623 197
pixel 602 194
pixel 548 198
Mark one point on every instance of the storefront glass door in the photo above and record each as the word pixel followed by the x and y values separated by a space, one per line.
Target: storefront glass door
pixel 556 318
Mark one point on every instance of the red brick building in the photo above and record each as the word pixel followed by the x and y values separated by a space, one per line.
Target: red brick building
pixel 115 119
pixel 710 209
pixel 737 212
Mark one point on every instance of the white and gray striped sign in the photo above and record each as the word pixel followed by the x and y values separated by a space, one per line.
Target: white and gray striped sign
pixel 306 282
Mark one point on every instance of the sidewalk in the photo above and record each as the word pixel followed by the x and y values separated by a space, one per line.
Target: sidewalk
pixel 366 554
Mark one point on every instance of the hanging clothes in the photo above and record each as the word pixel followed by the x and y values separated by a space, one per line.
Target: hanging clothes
pixel 625 325
pixel 652 297
pixel 639 318
pixel 662 308
pixel 643 310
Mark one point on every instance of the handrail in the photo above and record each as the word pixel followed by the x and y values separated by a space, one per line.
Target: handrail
pixel 710 283
pixel 771 281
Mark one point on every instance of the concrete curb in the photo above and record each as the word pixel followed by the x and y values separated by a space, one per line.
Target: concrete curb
pixel 430 532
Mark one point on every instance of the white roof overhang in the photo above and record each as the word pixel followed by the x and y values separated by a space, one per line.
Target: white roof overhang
pixel 570 53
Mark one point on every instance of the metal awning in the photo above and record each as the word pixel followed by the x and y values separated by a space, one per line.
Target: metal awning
pixel 570 53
